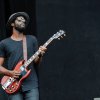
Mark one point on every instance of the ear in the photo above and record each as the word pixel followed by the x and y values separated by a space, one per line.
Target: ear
pixel 12 24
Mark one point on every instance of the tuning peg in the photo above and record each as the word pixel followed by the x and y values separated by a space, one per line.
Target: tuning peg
pixel 61 36
pixel 58 38
pixel 64 34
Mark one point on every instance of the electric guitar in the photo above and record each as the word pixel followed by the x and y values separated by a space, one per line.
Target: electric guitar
pixel 12 85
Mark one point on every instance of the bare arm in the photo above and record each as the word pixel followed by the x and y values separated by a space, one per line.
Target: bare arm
pixel 2 69
pixel 7 72
pixel 39 58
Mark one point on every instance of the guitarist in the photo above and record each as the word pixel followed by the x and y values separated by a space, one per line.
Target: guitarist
pixel 11 49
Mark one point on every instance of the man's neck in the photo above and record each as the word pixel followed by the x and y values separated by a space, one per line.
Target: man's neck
pixel 16 35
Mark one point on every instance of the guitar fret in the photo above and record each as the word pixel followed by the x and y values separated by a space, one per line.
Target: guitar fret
pixel 32 58
pixel 36 54
pixel 48 42
pixel 45 45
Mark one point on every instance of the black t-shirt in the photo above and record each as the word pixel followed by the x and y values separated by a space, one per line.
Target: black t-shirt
pixel 12 51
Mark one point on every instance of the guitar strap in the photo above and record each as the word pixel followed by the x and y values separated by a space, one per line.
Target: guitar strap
pixel 25 48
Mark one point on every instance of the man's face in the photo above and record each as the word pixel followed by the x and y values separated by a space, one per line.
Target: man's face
pixel 20 23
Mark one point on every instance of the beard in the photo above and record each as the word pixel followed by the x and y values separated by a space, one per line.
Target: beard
pixel 20 29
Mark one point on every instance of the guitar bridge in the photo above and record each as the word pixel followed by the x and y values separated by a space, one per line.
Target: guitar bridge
pixel 8 82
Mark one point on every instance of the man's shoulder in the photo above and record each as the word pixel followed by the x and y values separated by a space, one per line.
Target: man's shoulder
pixel 4 41
pixel 31 37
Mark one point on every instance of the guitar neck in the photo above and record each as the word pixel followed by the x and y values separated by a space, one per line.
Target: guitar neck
pixel 37 53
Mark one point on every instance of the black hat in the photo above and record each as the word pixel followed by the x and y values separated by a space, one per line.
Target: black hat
pixel 15 15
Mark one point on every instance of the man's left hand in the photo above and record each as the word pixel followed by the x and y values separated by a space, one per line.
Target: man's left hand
pixel 42 50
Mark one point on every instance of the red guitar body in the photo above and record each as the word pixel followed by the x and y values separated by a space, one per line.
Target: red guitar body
pixel 15 83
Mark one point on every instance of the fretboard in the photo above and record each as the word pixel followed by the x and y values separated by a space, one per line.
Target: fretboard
pixel 37 53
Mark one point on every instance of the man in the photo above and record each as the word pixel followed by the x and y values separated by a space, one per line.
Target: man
pixel 11 49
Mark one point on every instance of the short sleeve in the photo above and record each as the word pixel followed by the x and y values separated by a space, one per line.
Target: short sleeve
pixel 2 50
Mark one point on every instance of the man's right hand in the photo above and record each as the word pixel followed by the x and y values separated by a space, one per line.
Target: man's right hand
pixel 14 74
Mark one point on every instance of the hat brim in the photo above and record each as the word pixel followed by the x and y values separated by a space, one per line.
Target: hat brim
pixel 15 15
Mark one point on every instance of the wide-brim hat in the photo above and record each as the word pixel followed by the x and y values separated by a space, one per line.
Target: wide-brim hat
pixel 15 15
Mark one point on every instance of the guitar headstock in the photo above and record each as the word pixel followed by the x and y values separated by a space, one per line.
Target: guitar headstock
pixel 59 34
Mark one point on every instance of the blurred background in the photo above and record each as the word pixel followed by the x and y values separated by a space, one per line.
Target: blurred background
pixel 70 69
